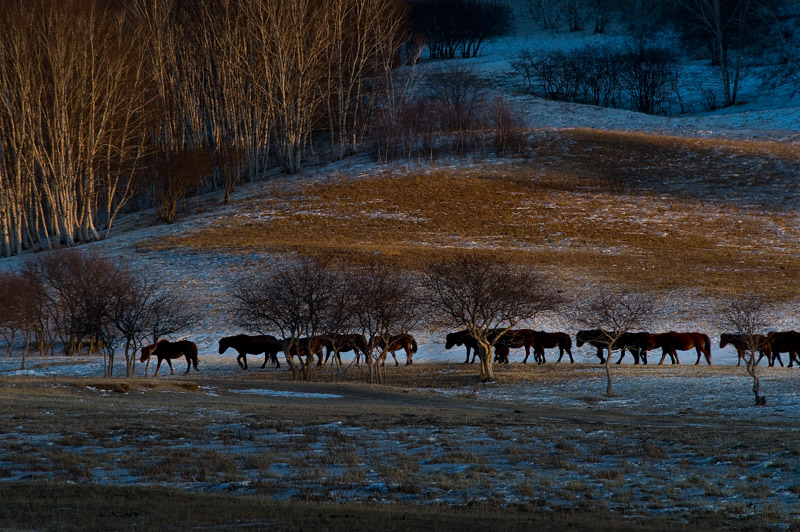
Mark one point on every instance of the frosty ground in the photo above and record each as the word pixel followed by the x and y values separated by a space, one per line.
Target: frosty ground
pixel 677 446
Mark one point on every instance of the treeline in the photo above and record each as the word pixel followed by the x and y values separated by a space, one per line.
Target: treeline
pixel 105 101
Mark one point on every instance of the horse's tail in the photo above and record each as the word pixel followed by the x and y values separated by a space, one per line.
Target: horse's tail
pixel 413 345
pixel 567 341
pixel 707 345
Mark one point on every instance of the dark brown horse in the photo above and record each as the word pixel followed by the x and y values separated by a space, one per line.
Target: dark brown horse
pixel 784 342
pixel 396 342
pixel 338 343
pixel 544 340
pixel 252 345
pixel 514 339
pixel 166 350
pixel 671 342
pixel 636 342
pixel 597 338
pixel 465 338
pixel 747 342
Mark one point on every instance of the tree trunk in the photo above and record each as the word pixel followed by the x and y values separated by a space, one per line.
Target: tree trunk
pixel 752 371
pixel 609 389
pixel 485 352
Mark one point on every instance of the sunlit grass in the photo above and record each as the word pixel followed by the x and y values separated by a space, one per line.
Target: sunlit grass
pixel 591 206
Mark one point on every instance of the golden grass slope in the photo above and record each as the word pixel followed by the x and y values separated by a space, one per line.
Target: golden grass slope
pixel 643 211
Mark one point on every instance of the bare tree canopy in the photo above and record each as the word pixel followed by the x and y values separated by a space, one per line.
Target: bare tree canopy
pixel 611 314
pixel 748 318
pixel 481 293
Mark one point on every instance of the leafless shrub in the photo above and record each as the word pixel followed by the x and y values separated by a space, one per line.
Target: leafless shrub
pixel 611 315
pixel 748 318
pixel 483 293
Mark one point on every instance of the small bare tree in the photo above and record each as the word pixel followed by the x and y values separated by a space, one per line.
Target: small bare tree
pixel 612 314
pixel 748 319
pixel 387 302
pixel 484 293
pixel 296 300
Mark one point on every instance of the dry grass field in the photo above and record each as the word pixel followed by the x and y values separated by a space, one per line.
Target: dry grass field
pixel 629 209
pixel 251 450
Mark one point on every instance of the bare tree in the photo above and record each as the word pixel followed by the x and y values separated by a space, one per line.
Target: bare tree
pixel 612 314
pixel 295 300
pixel 21 308
pixel 297 39
pixel 484 293
pixel 727 27
pixel 386 302
pixel 363 36
pixel 748 319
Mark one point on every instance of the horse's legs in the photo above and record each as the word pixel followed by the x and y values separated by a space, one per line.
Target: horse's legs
pixel 158 366
pixel 396 363
pixel 188 364
pixel 600 355
pixel 409 356
pixel 622 355
pixel 664 353
pixel 171 369
pixel 241 357
pixel 569 352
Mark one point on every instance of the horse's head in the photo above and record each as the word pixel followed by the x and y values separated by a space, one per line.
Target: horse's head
pixel 223 345
pixel 652 341
pixel 724 340
pixel 146 350
pixel 581 338
pixel 453 339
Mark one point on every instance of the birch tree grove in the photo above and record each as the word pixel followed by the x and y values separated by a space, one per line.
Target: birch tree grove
pixel 100 101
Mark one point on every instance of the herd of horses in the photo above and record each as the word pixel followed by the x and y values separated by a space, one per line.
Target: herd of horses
pixel 637 344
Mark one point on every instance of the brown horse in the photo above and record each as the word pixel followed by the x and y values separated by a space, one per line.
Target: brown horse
pixel 403 341
pixel 544 340
pixel 671 342
pixel 514 339
pixel 166 350
pixel 784 342
pixel 305 347
pixel 338 343
pixel 746 342
pixel 252 345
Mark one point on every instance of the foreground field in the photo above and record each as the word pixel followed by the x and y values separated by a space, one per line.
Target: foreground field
pixel 676 448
